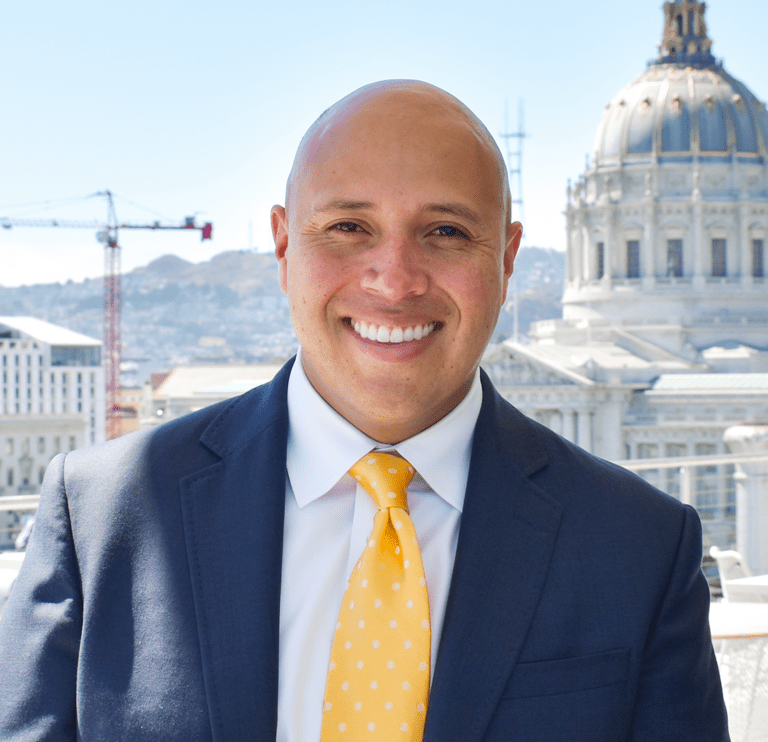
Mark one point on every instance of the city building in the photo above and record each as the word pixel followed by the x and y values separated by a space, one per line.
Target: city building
pixel 51 398
pixel 663 342
pixel 186 389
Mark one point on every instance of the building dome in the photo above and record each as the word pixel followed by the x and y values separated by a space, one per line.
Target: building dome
pixel 685 104
pixel 682 112
pixel 667 228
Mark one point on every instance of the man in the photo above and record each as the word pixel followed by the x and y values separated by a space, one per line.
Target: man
pixel 189 583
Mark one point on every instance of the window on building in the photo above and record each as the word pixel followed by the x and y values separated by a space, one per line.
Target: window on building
pixel 633 259
pixel 41 444
pixel 718 258
pixel 600 259
pixel 9 446
pixel 647 451
pixel 40 475
pixel 72 443
pixel 10 478
pixel 676 449
pixel 758 264
pixel 57 444
pixel 29 377
pixel 675 258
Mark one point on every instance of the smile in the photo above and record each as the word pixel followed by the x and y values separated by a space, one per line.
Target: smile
pixel 384 334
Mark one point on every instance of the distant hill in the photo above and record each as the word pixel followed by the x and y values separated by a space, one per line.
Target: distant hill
pixel 172 309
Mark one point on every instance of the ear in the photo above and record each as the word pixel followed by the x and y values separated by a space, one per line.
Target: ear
pixel 279 221
pixel 514 235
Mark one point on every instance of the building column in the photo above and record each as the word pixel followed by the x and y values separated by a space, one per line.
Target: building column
pixel 649 248
pixel 584 430
pixel 556 422
pixel 577 250
pixel 745 268
pixel 751 494
pixel 697 248
pixel 610 258
pixel 586 250
pixel 569 429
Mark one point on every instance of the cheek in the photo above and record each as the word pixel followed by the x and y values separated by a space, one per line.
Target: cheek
pixel 478 296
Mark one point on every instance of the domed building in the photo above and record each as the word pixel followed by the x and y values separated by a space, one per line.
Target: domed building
pixel 664 337
pixel 673 211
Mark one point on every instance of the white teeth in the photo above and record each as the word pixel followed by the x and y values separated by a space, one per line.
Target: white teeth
pixel 384 334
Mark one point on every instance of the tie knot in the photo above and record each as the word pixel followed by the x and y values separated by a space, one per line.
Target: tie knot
pixel 385 477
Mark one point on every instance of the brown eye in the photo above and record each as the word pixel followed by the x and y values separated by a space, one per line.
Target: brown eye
pixel 347 227
pixel 448 231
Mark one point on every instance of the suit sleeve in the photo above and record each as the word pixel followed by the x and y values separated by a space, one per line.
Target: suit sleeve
pixel 679 695
pixel 41 626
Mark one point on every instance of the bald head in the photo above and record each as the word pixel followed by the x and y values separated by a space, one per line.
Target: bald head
pixel 396 108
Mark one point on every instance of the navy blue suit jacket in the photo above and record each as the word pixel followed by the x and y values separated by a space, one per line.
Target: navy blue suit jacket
pixel 148 604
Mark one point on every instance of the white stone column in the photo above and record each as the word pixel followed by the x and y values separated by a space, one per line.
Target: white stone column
pixel 745 247
pixel 610 259
pixel 569 430
pixel 607 440
pixel 584 430
pixel 586 249
pixel 556 422
pixel 577 250
pixel 648 271
pixel 751 494
pixel 697 250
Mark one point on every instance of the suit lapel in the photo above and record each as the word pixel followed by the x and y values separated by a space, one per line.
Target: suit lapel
pixel 233 518
pixel 508 531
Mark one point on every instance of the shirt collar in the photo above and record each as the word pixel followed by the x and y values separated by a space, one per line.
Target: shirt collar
pixel 322 445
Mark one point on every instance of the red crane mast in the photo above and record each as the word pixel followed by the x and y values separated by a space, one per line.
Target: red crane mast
pixel 113 296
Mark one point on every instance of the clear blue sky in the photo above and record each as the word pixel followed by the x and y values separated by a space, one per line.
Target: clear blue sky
pixel 193 106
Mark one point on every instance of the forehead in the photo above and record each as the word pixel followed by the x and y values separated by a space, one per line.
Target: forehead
pixel 396 138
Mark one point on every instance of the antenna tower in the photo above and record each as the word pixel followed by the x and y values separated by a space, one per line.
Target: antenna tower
pixel 515 169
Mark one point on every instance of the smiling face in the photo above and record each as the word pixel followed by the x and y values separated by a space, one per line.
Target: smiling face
pixel 395 253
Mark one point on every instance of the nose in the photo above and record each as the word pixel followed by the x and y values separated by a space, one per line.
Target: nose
pixel 396 269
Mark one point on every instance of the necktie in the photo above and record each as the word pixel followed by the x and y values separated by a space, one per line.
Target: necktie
pixel 378 677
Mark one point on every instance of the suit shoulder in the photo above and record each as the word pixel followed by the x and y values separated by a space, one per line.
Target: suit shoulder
pixel 572 475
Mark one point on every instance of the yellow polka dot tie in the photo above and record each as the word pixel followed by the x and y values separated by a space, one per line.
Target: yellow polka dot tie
pixel 378 677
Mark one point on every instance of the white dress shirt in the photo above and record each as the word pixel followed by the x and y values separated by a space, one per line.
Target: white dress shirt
pixel 328 517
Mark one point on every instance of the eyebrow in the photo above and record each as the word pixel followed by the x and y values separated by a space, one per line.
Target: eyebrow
pixel 344 204
pixel 454 209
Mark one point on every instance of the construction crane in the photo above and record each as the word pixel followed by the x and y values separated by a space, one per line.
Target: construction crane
pixel 108 235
